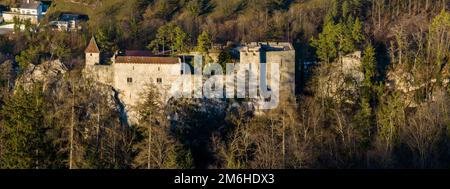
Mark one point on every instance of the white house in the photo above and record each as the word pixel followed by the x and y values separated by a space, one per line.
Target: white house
pixel 67 22
pixel 27 9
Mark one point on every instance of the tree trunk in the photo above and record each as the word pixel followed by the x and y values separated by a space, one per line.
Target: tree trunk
pixel 72 122
pixel 149 147
pixel 284 144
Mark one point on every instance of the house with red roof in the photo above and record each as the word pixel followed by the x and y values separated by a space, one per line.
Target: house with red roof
pixel 131 72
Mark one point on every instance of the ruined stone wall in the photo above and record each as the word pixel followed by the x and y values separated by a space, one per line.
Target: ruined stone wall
pixel 351 65
pixel 286 60
pixel 249 56
pixel 342 79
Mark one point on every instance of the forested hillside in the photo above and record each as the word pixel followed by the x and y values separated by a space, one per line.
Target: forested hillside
pixel 396 116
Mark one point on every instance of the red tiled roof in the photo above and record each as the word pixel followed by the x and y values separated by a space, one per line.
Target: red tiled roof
pixel 138 53
pixel 146 60
pixel 92 47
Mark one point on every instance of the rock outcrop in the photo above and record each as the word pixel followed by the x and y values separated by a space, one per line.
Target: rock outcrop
pixel 47 73
pixel 409 82
pixel 341 80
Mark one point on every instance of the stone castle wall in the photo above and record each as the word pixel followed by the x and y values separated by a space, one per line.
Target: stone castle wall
pixel 142 76
pixel 131 80
pixel 284 57
pixel 101 73
pixel 286 60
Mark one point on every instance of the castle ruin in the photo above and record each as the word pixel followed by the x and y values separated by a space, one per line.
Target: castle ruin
pixel 131 72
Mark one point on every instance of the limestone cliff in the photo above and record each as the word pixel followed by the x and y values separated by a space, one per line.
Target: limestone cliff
pixel 341 80
pixel 47 73
pixel 53 75
pixel 410 81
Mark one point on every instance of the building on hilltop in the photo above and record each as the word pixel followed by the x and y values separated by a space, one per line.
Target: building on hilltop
pixel 247 79
pixel 131 72
pixel 92 53
pixel 281 53
pixel 26 9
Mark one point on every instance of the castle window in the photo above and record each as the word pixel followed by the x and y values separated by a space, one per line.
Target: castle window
pixel 182 72
pixel 90 54
pixel 159 68
pixel 129 80
pixel 159 80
